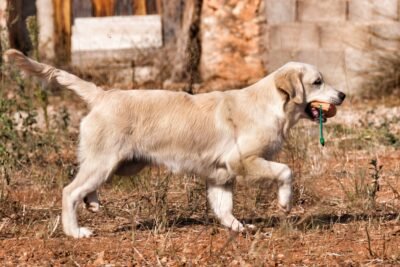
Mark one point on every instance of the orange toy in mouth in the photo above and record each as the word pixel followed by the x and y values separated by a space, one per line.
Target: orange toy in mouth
pixel 329 110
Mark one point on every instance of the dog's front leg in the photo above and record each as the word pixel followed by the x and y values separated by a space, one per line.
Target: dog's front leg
pixel 221 202
pixel 255 169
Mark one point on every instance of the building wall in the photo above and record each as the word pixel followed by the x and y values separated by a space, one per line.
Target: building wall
pixel 233 43
pixel 244 41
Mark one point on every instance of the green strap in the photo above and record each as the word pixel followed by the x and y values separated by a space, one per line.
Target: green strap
pixel 321 134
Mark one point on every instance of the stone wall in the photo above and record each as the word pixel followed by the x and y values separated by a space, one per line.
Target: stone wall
pixel 233 44
pixel 243 40
pixel 341 37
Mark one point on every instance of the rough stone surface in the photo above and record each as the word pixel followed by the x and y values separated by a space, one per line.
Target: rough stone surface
pixel 45 15
pixel 280 11
pixel 357 60
pixel 321 10
pixel 329 62
pixel 340 36
pixel 232 37
pixel 3 22
pixel 277 58
pixel 357 64
pixel 3 14
pixel 187 53
pixel 294 36
pixel 241 40
pixel 373 10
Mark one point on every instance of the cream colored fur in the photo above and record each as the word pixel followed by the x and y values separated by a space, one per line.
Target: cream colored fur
pixel 217 135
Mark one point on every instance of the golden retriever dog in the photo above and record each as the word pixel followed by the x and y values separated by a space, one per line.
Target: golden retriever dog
pixel 216 135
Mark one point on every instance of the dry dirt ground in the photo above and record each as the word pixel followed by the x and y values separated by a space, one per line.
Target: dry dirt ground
pixel 158 219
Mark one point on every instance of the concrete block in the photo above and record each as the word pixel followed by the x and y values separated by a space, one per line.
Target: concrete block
pixel 277 58
pixel 385 36
pixel 320 11
pixel 293 36
pixel 307 56
pixel 373 10
pixel 280 11
pixel 329 62
pixel 116 33
pixel 340 36
pixel 359 61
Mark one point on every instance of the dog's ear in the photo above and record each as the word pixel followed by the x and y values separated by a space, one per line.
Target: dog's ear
pixel 289 82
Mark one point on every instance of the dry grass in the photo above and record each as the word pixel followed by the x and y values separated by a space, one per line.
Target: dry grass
pixel 344 213
pixel 346 206
pixel 383 78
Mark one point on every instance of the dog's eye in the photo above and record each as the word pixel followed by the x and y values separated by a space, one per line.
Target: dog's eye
pixel 317 82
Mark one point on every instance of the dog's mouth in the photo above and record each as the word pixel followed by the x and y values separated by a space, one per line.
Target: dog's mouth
pixel 314 109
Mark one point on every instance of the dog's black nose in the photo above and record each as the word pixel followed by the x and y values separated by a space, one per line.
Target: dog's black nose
pixel 342 96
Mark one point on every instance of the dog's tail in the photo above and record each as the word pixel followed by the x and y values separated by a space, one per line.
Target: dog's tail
pixel 87 90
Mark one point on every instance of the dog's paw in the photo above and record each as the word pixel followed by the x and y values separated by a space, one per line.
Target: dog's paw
pixel 285 209
pixel 237 226
pixel 92 206
pixel 81 232
pixel 250 228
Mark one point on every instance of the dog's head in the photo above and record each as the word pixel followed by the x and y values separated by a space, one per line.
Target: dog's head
pixel 301 84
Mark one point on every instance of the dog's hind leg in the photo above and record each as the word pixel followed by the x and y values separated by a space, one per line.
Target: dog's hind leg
pixel 221 201
pixel 92 173
pixel 92 201
pixel 128 168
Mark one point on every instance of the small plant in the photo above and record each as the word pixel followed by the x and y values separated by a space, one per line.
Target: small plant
pixel 23 143
pixel 193 189
pixel 363 193
pixel 370 251
pixel 373 187
pixel 33 31
pixel 161 203
pixel 7 134
pixel 62 119
pixel 384 76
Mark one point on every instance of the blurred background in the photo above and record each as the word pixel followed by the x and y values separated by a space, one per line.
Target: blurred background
pixel 202 45
pixel 346 195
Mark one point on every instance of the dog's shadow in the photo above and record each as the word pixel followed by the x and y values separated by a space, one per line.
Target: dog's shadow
pixel 318 221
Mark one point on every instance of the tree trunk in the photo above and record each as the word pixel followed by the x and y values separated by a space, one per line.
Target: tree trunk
pixel 45 19
pixel 139 7
pixel 63 21
pixel 4 32
pixel 103 8
pixel 18 11
pixel 189 46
